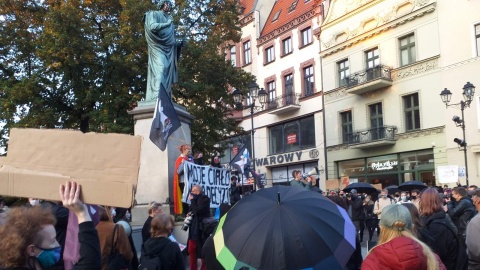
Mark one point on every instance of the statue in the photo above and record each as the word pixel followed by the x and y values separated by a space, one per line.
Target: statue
pixel 163 51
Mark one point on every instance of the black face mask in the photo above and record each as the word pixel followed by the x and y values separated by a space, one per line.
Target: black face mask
pixel 413 197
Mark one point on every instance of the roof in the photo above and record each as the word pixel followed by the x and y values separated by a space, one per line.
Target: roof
pixel 247 5
pixel 285 11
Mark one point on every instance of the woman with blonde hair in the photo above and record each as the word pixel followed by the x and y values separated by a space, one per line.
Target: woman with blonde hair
pixel 397 247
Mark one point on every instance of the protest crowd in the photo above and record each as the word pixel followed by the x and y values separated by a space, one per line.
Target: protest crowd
pixel 420 228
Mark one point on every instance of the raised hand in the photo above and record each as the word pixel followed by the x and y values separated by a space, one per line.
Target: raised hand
pixel 70 195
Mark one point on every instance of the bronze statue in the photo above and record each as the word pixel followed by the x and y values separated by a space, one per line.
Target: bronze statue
pixel 163 51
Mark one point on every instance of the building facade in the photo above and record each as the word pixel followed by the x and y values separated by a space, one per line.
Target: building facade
pixel 279 47
pixel 385 64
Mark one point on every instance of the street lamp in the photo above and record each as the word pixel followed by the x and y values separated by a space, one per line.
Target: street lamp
pixel 253 94
pixel 468 93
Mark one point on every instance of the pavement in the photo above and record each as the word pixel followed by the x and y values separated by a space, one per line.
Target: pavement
pixel 137 240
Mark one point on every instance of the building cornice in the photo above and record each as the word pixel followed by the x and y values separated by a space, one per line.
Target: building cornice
pixel 334 40
pixel 286 27
pixel 415 68
pixel 248 18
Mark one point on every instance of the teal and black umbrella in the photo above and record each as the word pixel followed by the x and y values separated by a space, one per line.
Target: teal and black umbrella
pixel 284 228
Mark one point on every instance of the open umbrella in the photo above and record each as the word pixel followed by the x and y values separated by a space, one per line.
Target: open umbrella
pixel 392 189
pixel 411 185
pixel 361 188
pixel 284 228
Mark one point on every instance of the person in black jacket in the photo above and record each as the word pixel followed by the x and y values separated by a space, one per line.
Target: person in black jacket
pixel 440 227
pixel 355 206
pixel 28 237
pixel 199 209
pixel 235 190
pixel 159 245
pixel 460 211
pixel 154 208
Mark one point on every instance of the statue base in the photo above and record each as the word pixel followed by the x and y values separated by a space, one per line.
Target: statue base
pixel 156 167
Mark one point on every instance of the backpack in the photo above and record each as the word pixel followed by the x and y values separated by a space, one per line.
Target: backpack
pixel 208 227
pixel 115 259
pixel 150 263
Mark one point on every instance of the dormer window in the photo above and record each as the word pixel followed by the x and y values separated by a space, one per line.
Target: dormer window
pixel 293 6
pixel 275 17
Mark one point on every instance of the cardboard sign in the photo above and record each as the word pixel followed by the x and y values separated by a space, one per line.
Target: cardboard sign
pixel 39 160
pixel 332 184
pixel 448 174
pixel 215 183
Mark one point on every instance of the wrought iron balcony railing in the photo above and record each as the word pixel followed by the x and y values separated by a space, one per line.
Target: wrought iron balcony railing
pixel 371 135
pixel 282 101
pixel 369 74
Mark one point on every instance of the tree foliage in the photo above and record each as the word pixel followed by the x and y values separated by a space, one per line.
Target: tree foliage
pixel 82 64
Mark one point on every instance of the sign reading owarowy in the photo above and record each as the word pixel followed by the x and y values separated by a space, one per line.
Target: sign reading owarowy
pixel 215 183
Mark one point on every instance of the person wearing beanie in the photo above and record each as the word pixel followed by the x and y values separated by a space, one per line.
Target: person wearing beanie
pixel 397 247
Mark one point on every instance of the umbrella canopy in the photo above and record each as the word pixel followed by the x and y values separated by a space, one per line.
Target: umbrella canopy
pixel 361 188
pixel 285 228
pixel 411 185
pixel 392 189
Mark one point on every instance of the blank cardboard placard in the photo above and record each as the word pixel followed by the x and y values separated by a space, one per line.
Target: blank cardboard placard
pixel 109 162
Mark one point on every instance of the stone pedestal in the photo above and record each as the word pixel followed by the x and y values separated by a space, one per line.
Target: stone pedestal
pixel 156 167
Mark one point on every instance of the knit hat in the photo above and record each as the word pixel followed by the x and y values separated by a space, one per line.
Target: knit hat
pixel 393 213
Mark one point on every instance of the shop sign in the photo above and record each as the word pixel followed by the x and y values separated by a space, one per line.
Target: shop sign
pixel 292 138
pixel 383 166
pixel 279 159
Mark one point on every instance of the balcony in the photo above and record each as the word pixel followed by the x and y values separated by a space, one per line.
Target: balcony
pixel 283 104
pixel 369 80
pixel 373 137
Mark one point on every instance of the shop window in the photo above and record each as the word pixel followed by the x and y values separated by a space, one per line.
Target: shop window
pixel 292 136
pixel 412 112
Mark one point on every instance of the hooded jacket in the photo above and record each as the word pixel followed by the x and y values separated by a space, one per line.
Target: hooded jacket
pixel 168 251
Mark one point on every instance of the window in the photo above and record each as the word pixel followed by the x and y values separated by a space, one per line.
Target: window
pixel 308 83
pixel 412 112
pixel 477 38
pixel 233 56
pixel 247 58
pixel 272 95
pixel 372 57
pixel 407 50
pixel 287 46
pixel 293 6
pixel 376 121
pixel 289 94
pixel 306 36
pixel 343 72
pixel 372 61
pixel 275 17
pixel 269 54
pixel 347 125
pixel 292 136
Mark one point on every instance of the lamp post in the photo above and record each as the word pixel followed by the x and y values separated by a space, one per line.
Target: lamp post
pixel 253 94
pixel 468 93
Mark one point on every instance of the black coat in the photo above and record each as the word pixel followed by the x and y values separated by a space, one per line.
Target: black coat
pixel 443 232
pixel 357 208
pixel 168 251
pixel 461 213
pixel 146 229
pixel 200 209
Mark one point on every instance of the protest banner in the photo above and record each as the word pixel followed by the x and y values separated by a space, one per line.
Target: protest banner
pixel 215 183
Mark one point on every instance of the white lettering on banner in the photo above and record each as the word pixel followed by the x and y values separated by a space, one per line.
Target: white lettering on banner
pixel 387 165
pixel 215 183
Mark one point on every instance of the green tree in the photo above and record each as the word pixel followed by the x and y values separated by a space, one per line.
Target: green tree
pixel 82 64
